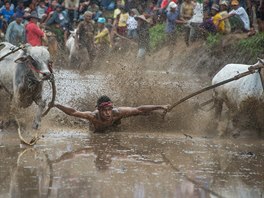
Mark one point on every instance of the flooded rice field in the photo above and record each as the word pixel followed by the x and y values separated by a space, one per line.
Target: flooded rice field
pixel 157 161
pixel 80 164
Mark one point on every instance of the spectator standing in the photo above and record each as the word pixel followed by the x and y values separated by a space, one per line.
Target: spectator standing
pixel 102 39
pixel 58 23
pixel 94 8
pixel 195 22
pixel 85 35
pixel 143 37
pixel 224 13
pixel 132 25
pixel 33 33
pixel 72 7
pixel 41 10
pixel 7 12
pixel 172 20
pixel 19 9
pixel 15 32
pixel 108 4
pixel 260 15
pixel 122 22
pixel 186 11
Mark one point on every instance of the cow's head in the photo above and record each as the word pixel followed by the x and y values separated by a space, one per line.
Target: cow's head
pixel 73 33
pixel 37 59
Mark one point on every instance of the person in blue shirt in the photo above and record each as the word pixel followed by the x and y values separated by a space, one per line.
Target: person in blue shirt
pixel 7 12
pixel 172 20
pixel 15 33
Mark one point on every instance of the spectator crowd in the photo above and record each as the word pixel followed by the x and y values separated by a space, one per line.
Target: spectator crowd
pixel 100 22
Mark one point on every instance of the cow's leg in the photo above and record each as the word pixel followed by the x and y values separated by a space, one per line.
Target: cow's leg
pixel 41 105
pixel 37 120
pixel 218 104
pixel 218 123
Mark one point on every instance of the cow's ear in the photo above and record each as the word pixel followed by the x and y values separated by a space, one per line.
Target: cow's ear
pixel 21 59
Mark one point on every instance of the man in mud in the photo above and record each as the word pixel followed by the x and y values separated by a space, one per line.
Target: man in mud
pixel 85 35
pixel 107 115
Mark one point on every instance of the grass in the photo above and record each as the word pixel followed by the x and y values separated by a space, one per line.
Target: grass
pixel 157 36
pixel 253 45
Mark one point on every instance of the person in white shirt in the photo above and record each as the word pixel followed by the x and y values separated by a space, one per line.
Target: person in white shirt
pixel 132 25
pixel 241 15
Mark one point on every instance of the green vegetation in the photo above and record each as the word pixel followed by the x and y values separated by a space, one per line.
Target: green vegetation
pixel 157 36
pixel 253 45
pixel 213 40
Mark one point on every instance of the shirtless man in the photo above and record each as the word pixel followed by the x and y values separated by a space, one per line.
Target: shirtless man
pixel 106 115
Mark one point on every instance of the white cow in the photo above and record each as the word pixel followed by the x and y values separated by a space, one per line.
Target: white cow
pixel 238 93
pixel 70 45
pixel 23 73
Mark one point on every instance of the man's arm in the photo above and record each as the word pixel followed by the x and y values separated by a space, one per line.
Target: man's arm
pixel 72 112
pixel 141 110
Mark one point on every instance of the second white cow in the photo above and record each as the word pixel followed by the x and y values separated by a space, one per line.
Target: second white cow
pixel 240 94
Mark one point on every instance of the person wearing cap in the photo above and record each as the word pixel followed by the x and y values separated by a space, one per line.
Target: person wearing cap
pixel 34 34
pixel 223 12
pixel 172 20
pixel 216 18
pixel 85 35
pixel 102 39
pixel 143 36
pixel 106 115
pixel 238 14
pixel 213 24
pixel 122 21
pixel 15 33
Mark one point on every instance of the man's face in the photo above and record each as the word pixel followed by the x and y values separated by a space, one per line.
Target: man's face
pixel 88 17
pixel 18 20
pixel 106 113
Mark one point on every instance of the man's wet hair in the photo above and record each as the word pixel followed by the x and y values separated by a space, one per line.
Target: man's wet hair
pixel 102 99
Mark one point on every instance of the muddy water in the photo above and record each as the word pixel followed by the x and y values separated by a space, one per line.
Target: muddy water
pixel 70 162
pixel 80 164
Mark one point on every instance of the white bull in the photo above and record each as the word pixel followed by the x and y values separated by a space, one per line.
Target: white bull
pixel 23 73
pixel 240 94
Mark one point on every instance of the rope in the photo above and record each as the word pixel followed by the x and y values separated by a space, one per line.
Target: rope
pixel 32 142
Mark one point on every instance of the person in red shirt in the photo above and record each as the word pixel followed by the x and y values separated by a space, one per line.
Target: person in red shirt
pixel 33 33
